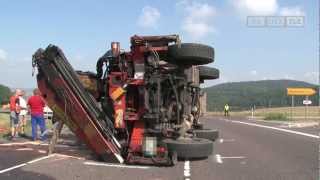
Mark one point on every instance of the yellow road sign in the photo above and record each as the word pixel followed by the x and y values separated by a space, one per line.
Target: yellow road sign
pixel 300 91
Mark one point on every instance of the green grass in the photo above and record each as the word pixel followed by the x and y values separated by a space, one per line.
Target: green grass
pixel 276 116
pixel 4 124
pixel 298 113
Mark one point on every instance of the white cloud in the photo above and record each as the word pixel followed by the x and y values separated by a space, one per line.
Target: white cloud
pixel 198 18
pixel 287 76
pixel 253 72
pixel 3 55
pixel 265 8
pixel 291 11
pixel 312 77
pixel 255 7
pixel 149 17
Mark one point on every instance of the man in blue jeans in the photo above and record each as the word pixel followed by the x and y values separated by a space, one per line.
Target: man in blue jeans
pixel 36 104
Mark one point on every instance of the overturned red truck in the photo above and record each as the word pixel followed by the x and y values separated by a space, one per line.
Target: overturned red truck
pixel 141 106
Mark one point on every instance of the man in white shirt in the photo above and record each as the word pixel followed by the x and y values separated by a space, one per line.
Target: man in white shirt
pixel 23 113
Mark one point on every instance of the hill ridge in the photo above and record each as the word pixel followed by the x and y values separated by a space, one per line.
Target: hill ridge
pixel 247 94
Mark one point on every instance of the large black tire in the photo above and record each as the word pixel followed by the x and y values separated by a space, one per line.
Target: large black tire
pixel 208 73
pixel 190 54
pixel 210 134
pixel 190 148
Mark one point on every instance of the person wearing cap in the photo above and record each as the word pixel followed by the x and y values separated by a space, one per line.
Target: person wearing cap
pixel 23 114
pixel 36 105
pixel 14 113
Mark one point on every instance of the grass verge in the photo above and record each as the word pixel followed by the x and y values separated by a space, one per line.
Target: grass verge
pixel 276 116
pixel 5 125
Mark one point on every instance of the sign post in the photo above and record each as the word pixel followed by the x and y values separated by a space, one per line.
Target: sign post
pixel 292 106
pixel 307 102
pixel 300 92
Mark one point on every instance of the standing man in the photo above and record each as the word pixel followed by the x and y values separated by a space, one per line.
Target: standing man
pixel 22 114
pixel 36 104
pixel 226 110
pixel 14 113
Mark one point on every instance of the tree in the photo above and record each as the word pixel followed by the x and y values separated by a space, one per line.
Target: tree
pixel 5 94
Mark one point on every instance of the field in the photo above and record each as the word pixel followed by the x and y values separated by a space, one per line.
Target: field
pixel 298 113
pixel 5 125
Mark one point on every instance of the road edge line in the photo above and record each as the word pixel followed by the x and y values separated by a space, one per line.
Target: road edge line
pixel 279 129
pixel 24 164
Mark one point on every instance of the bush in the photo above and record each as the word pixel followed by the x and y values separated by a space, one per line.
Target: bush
pixel 5 94
pixel 276 116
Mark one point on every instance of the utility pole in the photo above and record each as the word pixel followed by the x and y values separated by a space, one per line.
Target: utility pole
pixel 319 63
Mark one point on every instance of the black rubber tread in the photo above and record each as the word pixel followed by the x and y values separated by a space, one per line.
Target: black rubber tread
pixel 206 72
pixel 190 148
pixel 190 54
pixel 210 134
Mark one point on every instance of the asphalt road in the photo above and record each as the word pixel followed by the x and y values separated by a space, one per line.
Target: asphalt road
pixel 246 150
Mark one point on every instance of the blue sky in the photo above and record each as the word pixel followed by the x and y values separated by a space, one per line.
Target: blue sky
pixel 84 30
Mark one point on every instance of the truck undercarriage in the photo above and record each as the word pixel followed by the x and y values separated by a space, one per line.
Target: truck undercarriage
pixel 141 106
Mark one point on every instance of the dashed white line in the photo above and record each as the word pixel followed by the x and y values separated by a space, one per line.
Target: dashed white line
pixel 233 157
pixel 226 140
pixel 115 165
pixel 219 159
pixel 24 149
pixel 187 170
pixel 278 129
pixel 20 143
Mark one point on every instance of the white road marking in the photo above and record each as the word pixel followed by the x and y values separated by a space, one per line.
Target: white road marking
pixel 115 165
pixel 229 140
pixel 34 143
pixel 279 129
pixel 68 156
pixel 39 159
pixel 21 143
pixel 226 140
pixel 233 157
pixel 187 170
pixel 42 151
pixel 12 168
pixel 219 159
pixel 24 149
pixel 24 164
